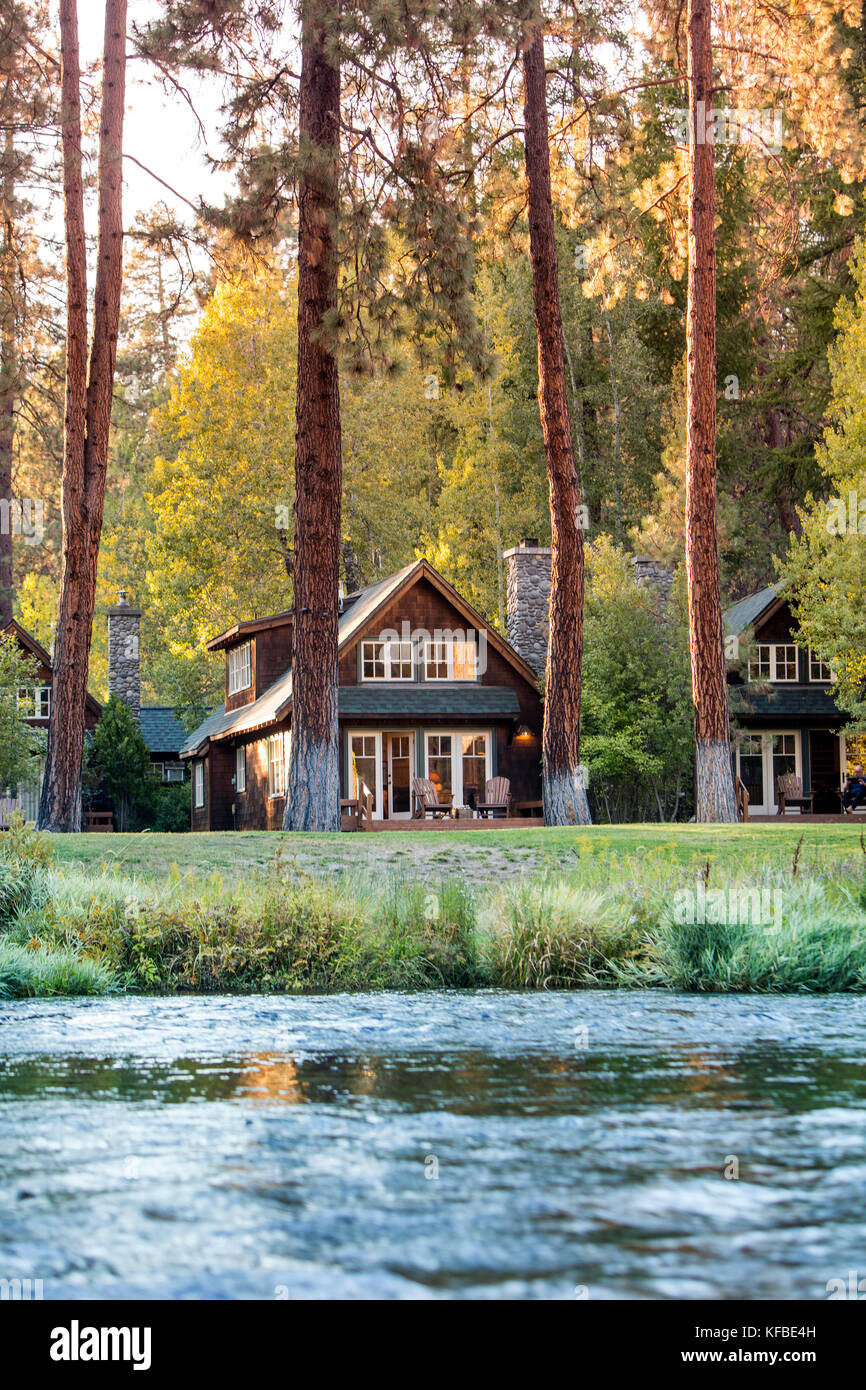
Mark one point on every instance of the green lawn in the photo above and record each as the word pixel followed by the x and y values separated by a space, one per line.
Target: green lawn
pixel 479 856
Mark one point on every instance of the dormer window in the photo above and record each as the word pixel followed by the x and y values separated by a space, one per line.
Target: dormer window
pixel 386 661
pixel 450 659
pixel 240 668
pixel 774 661
pixel 819 670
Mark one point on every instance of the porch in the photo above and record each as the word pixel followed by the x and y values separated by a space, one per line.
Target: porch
pixel 819 758
pixel 447 823
pixel 857 820
pixel 382 769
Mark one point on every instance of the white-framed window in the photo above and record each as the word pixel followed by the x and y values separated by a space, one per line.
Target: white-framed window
pixel 167 772
pixel 241 768
pixel 819 670
pixel 386 661
pixel 198 785
pixel 774 661
pixel 34 701
pixel 450 659
pixel 459 762
pixel 278 763
pixel 240 668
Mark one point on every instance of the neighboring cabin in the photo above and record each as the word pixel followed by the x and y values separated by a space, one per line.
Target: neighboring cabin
pixel 34 701
pixel 787 719
pixel 161 730
pixel 427 688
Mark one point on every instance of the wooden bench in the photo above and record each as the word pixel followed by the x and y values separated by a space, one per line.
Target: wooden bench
pixel 98 821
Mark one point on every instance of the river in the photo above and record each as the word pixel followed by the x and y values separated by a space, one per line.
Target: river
pixel 594 1145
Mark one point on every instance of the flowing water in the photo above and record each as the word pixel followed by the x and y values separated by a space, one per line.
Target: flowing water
pixel 484 1145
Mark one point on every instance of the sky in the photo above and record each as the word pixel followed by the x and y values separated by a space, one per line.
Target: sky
pixel 160 130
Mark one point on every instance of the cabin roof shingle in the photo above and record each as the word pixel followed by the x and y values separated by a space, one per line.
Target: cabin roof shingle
pixel 741 615
pixel 161 729
pixel 785 702
pixel 439 700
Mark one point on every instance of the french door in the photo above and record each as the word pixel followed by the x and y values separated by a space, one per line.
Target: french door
pixel 761 758
pixel 459 762
pixel 382 765
pixel 401 762
pixel 365 769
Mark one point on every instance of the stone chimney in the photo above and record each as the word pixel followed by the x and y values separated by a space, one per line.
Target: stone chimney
pixel 124 660
pixel 646 570
pixel 527 571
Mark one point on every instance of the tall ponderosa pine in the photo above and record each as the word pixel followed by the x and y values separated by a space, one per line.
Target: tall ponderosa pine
pixel 313 799
pixel 565 801
pixel 781 57
pixel 89 383
pixel 10 371
pixel 714 783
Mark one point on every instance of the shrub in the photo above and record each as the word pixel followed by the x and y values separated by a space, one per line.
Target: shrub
pixel 21 842
pixel 27 972
pixel 24 858
pixel 552 935
pixel 170 808
pixel 816 946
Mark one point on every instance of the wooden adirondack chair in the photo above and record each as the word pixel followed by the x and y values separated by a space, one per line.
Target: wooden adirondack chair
pixel 428 801
pixel 789 792
pixel 497 798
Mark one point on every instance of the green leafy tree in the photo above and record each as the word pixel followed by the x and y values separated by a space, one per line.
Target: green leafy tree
pixel 638 735
pixel 122 759
pixel 824 571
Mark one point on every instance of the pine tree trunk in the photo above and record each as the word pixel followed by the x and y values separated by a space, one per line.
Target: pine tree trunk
pixel 88 402
pixel 714 789
pixel 313 799
pixel 9 376
pixel 563 790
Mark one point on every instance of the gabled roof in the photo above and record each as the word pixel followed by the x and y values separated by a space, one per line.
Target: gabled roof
pixel 36 649
pixel 273 704
pixel 749 610
pixel 161 729
pixel 226 638
pixel 356 602
pixel 371 600
pixel 200 736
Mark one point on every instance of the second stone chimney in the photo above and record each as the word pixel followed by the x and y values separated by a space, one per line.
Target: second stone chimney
pixel 527 578
pixel 124 659
pixel 646 570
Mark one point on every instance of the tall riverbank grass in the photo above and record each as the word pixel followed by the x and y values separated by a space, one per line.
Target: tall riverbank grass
pixel 595 922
